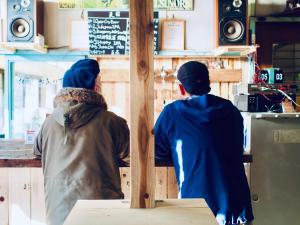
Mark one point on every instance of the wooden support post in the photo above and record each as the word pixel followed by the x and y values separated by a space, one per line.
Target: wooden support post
pixel 142 104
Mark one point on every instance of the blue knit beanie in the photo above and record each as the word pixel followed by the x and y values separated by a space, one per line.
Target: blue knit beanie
pixel 82 74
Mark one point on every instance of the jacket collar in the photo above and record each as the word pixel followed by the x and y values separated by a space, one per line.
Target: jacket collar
pixel 79 95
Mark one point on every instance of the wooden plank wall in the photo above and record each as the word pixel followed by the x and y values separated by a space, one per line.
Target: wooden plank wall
pixel 115 88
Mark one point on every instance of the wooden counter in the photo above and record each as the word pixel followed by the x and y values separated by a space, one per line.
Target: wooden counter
pixel 16 159
pixel 166 212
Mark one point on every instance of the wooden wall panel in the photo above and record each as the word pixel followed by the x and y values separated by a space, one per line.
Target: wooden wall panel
pixel 19 196
pixel 125 181
pixel 215 89
pixel 116 95
pixel 224 87
pixel 38 210
pixel 172 184
pixel 161 183
pixel 4 196
pixel 230 87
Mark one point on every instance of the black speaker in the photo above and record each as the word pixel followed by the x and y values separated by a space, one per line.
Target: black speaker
pixel 232 22
pixel 24 20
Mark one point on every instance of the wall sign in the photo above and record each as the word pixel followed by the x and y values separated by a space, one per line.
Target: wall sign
pixel 124 4
pixel 109 32
pixel 79 38
pixel 173 32
pixel 174 4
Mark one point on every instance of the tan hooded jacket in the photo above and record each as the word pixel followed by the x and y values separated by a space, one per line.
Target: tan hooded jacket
pixel 81 145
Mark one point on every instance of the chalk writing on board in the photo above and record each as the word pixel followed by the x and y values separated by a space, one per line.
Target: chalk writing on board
pixel 124 4
pixel 109 32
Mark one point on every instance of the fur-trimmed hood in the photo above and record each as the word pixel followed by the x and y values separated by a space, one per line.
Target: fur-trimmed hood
pixel 75 107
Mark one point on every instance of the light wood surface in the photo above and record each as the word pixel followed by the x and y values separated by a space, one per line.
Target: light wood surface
pixel 19 196
pixel 166 212
pixel 142 109
pixel 215 75
pixel 4 196
pixel 37 202
pixel 172 188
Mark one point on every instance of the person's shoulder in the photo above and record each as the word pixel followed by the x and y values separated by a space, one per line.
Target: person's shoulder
pixel 49 120
pixel 219 99
pixel 226 104
pixel 169 107
pixel 113 117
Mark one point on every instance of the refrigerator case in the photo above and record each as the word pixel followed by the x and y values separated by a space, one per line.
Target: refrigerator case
pixel 274 142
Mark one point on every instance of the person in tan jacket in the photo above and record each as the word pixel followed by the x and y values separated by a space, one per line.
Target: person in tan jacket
pixel 81 145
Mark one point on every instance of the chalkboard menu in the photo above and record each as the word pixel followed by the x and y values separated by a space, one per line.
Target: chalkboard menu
pixel 109 32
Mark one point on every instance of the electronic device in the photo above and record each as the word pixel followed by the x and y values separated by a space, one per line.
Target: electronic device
pixel 259 102
pixel 246 89
pixel 24 20
pixel 271 76
pixel 232 22
pixel 250 103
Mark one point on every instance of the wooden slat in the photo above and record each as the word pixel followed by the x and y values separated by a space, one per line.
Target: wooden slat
pixel 114 75
pixel 172 183
pixel 117 97
pixel 37 202
pixel 142 102
pixel 230 86
pixel 225 75
pixel 224 90
pixel 19 196
pixel 215 75
pixel 125 181
pixel 161 183
pixel 215 89
pixel 4 196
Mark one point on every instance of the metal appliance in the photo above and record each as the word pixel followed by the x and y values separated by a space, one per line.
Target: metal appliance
pixel 274 141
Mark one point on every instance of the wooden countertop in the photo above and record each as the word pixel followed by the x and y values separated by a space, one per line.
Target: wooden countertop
pixel 25 158
pixel 167 212
pixel 19 158
pixel 16 154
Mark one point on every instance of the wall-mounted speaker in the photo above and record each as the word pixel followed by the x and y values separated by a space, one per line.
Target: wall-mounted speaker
pixel 232 22
pixel 24 20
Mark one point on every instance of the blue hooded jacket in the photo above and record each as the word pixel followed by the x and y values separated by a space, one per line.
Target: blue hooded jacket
pixel 203 137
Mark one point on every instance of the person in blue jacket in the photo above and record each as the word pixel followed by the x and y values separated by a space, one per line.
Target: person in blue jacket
pixel 202 136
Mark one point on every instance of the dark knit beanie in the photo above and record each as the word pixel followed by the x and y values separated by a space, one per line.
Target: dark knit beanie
pixel 194 77
pixel 82 74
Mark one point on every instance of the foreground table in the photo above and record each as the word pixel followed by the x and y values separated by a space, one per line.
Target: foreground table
pixel 167 212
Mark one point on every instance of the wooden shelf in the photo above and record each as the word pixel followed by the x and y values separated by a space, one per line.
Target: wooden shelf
pixel 237 50
pixel 31 49
pixel 12 47
pixel 215 75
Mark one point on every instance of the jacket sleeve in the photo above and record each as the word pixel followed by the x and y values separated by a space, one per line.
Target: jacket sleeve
pixel 37 146
pixel 163 152
pixel 121 140
pixel 238 133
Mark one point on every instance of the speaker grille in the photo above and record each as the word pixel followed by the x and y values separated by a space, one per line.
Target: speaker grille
pixel 20 28
pixel 233 30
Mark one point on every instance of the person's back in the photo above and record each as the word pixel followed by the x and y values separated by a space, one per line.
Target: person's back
pixel 203 136
pixel 81 145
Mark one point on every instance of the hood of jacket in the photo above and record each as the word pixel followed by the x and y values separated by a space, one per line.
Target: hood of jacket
pixel 75 107
pixel 204 108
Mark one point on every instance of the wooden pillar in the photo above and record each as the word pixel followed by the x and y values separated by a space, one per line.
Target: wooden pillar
pixel 142 104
